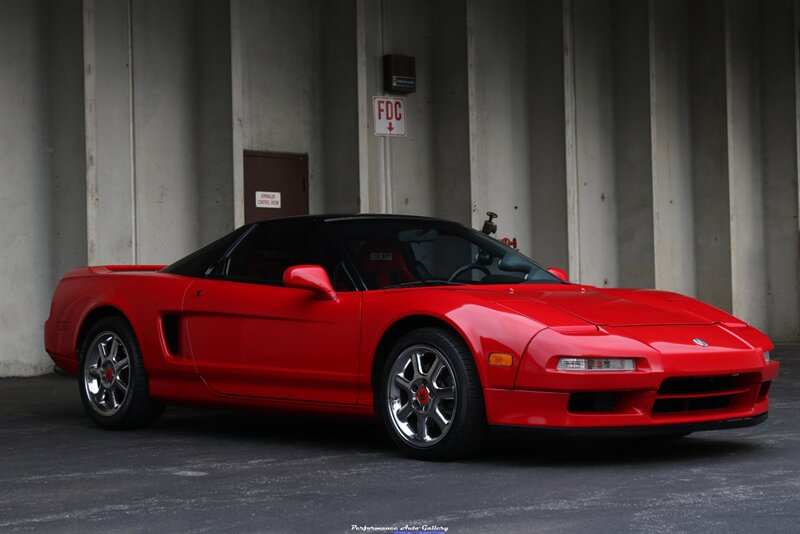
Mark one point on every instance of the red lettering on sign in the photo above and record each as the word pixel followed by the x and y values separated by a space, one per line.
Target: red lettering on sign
pixel 398 110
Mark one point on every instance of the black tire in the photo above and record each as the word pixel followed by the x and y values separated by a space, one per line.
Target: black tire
pixel 454 428
pixel 112 380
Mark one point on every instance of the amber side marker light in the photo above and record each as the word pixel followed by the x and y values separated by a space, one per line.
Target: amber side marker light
pixel 500 359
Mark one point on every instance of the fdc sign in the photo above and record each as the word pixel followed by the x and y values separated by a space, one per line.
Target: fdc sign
pixel 389 116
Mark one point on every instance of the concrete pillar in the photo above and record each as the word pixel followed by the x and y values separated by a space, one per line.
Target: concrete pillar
pixel 778 49
pixel 375 183
pixel 409 160
pixel 427 172
pixel 748 277
pixel 277 88
pixel 40 166
pixel 25 168
pixel 110 183
pixel 339 120
pixel 591 182
pixel 367 194
pixel 158 136
pixel 632 146
pixel 673 211
pixel 165 98
pixel 237 113
pixel 546 208
pixel 450 93
pixel 213 108
pixel 500 129
pixel 709 135
pixel 68 165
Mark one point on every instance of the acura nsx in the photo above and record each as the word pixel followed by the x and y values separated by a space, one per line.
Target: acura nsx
pixel 436 330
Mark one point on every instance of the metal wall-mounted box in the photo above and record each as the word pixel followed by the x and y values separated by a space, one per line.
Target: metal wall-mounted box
pixel 399 74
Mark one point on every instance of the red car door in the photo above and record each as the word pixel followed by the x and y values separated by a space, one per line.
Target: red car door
pixel 250 336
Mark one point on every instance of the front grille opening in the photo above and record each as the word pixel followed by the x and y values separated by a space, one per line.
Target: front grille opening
pixel 692 404
pixel 170 324
pixel 593 402
pixel 697 384
pixel 764 390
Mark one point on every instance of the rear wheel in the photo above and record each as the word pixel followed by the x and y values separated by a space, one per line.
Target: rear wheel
pixel 112 381
pixel 429 396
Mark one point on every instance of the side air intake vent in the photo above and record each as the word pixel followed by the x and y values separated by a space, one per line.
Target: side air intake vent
pixel 171 326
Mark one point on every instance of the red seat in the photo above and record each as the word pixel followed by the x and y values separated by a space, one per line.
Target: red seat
pixel 383 265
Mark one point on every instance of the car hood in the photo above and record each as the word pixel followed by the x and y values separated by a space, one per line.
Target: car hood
pixel 606 307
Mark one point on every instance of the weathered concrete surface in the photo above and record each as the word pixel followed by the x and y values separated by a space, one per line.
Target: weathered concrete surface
pixel 211 471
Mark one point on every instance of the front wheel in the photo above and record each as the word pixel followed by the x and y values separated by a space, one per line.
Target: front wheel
pixel 112 380
pixel 429 396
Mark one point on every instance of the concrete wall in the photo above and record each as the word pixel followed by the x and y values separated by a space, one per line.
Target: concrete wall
pixel 451 172
pixel 109 133
pixel 673 223
pixel 778 57
pixel 546 205
pixel 679 133
pixel 501 129
pixel 637 143
pixel 748 279
pixel 427 172
pixel 280 82
pixel 596 210
pixel 711 200
pixel 41 170
pixel 633 151
pixel 158 128
pixel 339 121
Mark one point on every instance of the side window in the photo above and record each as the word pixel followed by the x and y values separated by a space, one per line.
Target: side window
pixel 200 263
pixel 272 248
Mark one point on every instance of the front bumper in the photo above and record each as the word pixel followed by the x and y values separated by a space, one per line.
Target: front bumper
pixel 729 387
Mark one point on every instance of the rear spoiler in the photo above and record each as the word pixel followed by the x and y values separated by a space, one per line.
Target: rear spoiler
pixel 105 269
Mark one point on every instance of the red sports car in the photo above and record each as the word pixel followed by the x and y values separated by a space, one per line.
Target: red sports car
pixel 437 330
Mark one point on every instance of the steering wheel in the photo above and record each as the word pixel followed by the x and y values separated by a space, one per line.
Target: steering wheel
pixel 468 267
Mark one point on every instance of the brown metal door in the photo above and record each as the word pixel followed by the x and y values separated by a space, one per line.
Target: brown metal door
pixel 275 185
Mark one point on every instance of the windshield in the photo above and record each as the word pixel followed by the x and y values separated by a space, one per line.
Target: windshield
pixel 389 252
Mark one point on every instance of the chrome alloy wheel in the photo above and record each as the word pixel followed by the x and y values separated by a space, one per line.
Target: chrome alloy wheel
pixel 421 396
pixel 106 373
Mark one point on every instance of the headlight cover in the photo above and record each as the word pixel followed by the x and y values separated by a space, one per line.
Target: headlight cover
pixel 596 364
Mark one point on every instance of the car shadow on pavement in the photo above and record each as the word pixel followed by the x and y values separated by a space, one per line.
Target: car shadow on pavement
pixel 501 449
pixel 617 451
pixel 338 433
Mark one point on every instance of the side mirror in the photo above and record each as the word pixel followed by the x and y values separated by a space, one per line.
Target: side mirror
pixel 310 277
pixel 559 273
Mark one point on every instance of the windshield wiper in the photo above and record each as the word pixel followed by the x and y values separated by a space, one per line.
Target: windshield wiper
pixel 418 283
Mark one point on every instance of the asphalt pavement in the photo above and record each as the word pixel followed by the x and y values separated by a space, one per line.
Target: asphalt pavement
pixel 217 471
